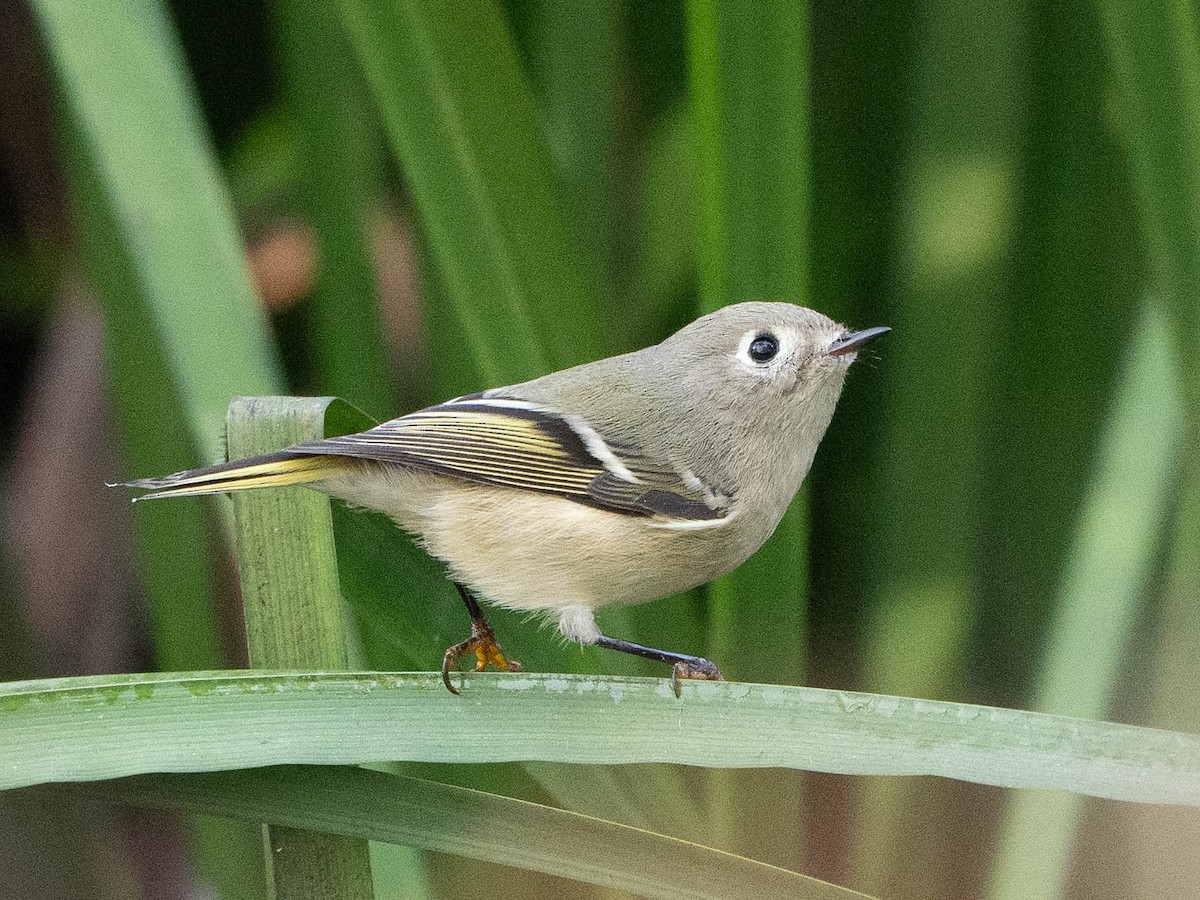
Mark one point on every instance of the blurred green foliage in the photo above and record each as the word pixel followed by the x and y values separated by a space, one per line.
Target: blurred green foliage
pixel 439 196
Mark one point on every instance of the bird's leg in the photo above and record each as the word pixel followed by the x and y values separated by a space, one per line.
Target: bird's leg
pixel 482 643
pixel 682 665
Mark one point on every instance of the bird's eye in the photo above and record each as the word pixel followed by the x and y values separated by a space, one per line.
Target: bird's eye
pixel 763 348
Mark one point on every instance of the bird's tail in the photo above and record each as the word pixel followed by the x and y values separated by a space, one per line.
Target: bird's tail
pixel 269 470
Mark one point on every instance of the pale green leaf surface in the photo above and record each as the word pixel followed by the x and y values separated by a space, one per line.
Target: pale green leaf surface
pixel 78 729
pixel 1154 55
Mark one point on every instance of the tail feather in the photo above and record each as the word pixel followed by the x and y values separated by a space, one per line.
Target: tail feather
pixel 270 470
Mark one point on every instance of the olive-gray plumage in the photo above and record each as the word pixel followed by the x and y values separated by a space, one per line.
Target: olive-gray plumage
pixel 693 414
pixel 618 481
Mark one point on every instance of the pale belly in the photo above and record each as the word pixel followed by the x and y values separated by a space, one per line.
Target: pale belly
pixel 532 551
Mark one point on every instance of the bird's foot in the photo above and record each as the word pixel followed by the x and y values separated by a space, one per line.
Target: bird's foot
pixel 682 665
pixel 482 643
pixel 696 668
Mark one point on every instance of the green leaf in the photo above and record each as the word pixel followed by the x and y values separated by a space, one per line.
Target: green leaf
pixel 749 82
pixel 1155 58
pixel 123 80
pixel 665 241
pixel 749 85
pixel 462 124
pixel 433 816
pixel 294 610
pixel 576 55
pixel 165 256
pixel 338 180
pixel 79 729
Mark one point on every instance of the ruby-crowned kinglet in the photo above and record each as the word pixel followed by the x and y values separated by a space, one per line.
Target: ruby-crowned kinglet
pixel 618 481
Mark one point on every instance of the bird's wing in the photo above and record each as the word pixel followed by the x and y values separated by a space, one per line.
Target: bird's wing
pixel 516 444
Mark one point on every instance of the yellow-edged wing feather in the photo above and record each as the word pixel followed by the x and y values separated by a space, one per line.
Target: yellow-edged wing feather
pixel 498 442
pixel 510 446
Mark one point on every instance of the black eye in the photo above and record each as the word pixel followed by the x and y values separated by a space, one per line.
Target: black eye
pixel 763 348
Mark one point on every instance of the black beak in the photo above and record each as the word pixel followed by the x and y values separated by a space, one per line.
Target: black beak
pixel 851 341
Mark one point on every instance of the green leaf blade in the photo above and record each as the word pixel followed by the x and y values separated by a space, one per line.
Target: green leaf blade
pixel 102 727
pixel 462 124
pixel 433 816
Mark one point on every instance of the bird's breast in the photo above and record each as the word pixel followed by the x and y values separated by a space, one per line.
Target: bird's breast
pixel 527 550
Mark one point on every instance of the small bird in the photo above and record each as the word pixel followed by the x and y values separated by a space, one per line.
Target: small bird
pixel 618 481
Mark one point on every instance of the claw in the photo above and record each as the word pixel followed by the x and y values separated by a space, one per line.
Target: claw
pixel 482 643
pixel 695 668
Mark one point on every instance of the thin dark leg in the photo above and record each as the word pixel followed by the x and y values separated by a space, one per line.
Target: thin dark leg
pixel 473 607
pixel 482 643
pixel 682 665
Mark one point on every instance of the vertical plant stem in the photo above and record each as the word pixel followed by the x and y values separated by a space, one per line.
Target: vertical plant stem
pixel 749 83
pixel 294 619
